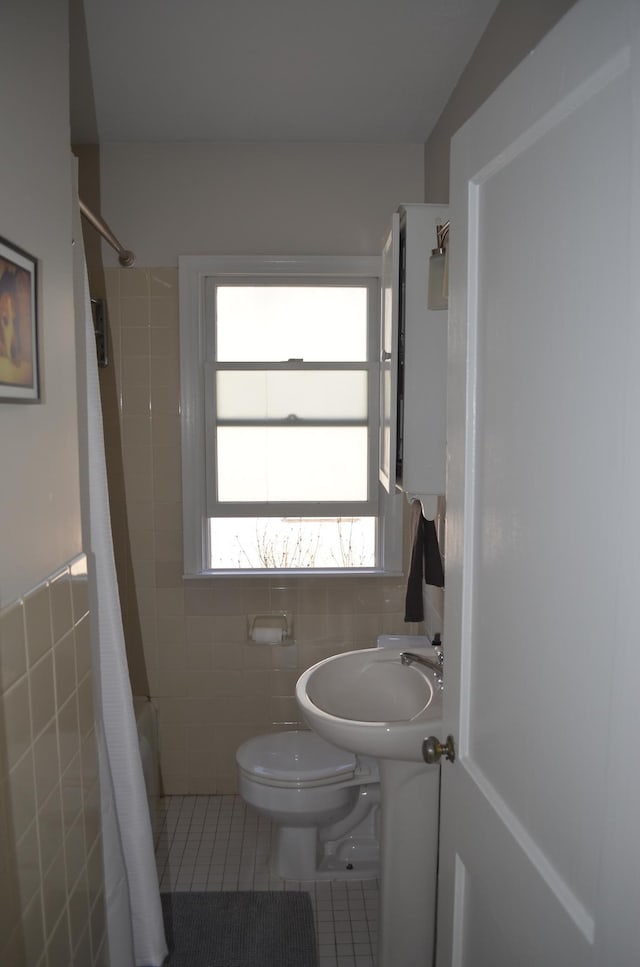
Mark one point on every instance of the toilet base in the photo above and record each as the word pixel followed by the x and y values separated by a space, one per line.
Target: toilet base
pixel 356 858
pixel 295 856
pixel 302 853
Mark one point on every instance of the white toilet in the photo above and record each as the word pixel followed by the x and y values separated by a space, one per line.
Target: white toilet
pixel 323 800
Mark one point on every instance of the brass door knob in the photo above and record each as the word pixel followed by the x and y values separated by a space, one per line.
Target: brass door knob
pixel 433 750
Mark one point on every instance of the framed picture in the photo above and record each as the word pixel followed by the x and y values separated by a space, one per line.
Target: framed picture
pixel 19 364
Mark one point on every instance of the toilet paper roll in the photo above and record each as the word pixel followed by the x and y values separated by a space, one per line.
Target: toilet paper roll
pixel 267 636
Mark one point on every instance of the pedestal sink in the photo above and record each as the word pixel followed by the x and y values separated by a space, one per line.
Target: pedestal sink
pixel 368 702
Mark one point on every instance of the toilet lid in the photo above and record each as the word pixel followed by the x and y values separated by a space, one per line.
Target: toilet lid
pixel 294 756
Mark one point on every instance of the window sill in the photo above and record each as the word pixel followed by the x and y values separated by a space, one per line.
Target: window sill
pixel 367 572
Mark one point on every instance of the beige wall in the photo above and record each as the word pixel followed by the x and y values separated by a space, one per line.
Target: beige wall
pixel 187 640
pixel 40 489
pixel 513 31
pixel 51 881
pixel 165 200
pixel 51 874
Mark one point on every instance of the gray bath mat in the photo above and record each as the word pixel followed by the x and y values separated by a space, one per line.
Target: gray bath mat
pixel 245 929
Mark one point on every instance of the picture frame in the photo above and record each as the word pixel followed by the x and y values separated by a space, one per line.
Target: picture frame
pixel 19 358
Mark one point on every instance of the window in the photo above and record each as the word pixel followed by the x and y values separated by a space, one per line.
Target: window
pixel 279 383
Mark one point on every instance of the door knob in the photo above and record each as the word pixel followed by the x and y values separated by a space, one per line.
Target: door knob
pixel 432 750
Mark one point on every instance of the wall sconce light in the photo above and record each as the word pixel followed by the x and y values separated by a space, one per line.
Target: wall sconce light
pixel 438 292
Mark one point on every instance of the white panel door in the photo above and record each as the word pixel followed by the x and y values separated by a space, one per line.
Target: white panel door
pixel 540 854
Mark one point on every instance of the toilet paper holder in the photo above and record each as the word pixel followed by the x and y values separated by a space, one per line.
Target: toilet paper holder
pixel 270 628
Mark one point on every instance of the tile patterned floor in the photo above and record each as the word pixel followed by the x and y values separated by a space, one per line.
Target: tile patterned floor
pixel 219 843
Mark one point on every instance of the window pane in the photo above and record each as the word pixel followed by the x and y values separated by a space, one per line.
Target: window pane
pixel 267 323
pixel 285 542
pixel 292 463
pixel 277 395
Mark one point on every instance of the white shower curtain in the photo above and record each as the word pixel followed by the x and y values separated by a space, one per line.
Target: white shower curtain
pixel 134 915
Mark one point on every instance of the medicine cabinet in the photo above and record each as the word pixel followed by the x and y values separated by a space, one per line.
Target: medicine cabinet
pixel 413 360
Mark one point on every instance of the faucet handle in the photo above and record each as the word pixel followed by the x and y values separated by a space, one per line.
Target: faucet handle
pixel 436 644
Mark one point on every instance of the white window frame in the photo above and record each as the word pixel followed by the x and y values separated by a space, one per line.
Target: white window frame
pixel 195 274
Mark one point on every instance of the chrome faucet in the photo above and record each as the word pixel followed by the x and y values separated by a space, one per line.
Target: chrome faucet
pixel 409 657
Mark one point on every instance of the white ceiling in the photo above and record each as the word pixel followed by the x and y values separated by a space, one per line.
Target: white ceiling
pixel 269 70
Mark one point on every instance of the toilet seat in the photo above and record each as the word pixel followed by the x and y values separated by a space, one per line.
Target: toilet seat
pixel 295 758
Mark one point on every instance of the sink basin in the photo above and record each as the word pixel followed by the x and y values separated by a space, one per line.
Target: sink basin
pixel 368 702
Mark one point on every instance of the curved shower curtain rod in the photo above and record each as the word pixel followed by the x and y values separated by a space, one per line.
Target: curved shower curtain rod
pixel 126 258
